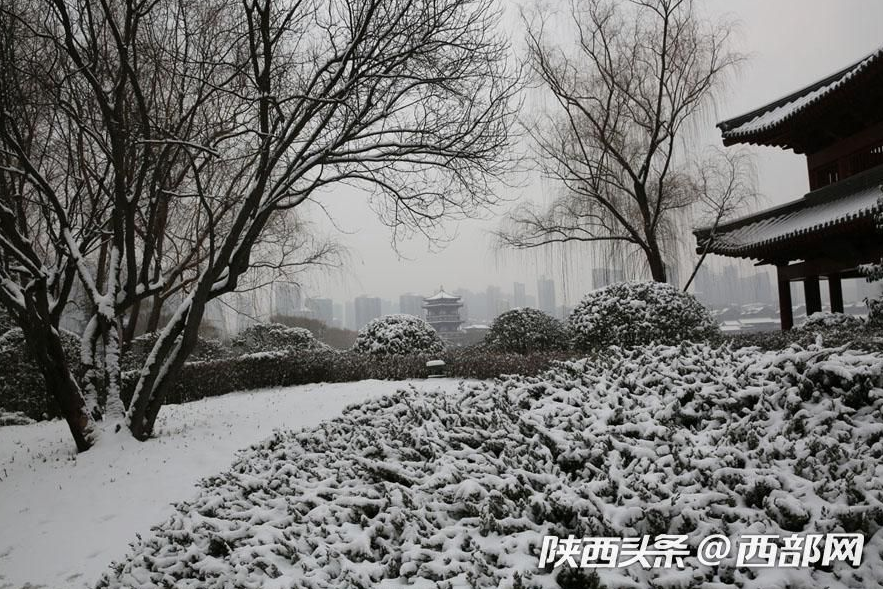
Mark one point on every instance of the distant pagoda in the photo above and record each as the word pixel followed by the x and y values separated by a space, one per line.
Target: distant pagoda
pixel 443 313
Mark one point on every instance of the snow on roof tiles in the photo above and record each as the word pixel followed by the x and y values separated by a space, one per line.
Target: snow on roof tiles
pixel 817 210
pixel 779 111
pixel 442 295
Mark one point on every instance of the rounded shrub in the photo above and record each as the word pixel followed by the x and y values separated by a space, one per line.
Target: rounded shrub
pixel 525 330
pixel 397 335
pixel 638 313
pixel 828 321
pixel 275 337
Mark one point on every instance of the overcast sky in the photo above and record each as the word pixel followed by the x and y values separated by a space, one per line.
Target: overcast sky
pixel 791 43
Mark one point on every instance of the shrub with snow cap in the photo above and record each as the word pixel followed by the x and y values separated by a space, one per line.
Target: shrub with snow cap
pixel 826 320
pixel 275 337
pixel 525 330
pixel 636 313
pixel 395 335
pixel 874 273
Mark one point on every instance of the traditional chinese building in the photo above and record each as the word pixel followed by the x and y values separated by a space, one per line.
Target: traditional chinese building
pixel 837 123
pixel 443 313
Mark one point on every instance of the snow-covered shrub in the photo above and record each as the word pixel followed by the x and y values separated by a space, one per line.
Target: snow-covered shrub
pixel 14 418
pixel 874 273
pixel 136 352
pixel 22 387
pixel 198 380
pixel 831 329
pixel 525 330
pixel 398 335
pixel 638 313
pixel 826 321
pixel 429 490
pixel 275 337
pixel 875 314
pixel 479 362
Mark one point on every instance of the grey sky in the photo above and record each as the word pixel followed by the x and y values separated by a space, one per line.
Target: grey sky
pixel 790 43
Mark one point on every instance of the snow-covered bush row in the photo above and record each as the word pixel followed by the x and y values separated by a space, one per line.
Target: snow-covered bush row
pixel 426 490
pixel 639 313
pixel 198 380
pixel 479 363
pixel 272 337
pixel 398 335
pixel 829 329
pixel 136 352
pixel 22 388
pixel 525 330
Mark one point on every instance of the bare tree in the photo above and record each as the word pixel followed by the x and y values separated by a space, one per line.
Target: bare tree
pixel 202 122
pixel 625 89
pixel 725 185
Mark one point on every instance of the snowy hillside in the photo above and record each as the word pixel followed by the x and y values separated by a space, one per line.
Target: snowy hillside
pixel 438 490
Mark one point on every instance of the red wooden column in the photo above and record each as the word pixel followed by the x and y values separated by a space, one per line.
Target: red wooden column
pixel 813 295
pixel 786 313
pixel 835 291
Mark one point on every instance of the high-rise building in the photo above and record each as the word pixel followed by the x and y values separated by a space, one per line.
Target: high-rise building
pixel 546 296
pixel 519 296
pixel 411 304
pixel 323 309
pixel 350 315
pixel 366 309
pixel 338 320
pixel 494 299
pixel 474 305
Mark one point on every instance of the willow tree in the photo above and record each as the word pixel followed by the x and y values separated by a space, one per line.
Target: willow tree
pixel 121 116
pixel 627 79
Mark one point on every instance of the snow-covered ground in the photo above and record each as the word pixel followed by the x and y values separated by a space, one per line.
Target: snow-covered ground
pixel 64 517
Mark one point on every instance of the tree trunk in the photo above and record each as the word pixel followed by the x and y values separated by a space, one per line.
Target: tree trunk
pixel 657 266
pixel 155 314
pixel 45 345
pixel 132 323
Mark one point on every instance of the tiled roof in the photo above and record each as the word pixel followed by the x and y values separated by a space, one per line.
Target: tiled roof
pixel 442 295
pixel 854 198
pixel 774 114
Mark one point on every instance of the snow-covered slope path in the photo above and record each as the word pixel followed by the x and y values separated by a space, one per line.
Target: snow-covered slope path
pixel 64 517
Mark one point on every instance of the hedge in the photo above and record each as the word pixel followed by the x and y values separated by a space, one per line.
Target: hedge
pixel 198 380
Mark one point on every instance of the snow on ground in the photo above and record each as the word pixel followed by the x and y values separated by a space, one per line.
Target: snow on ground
pixel 64 517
